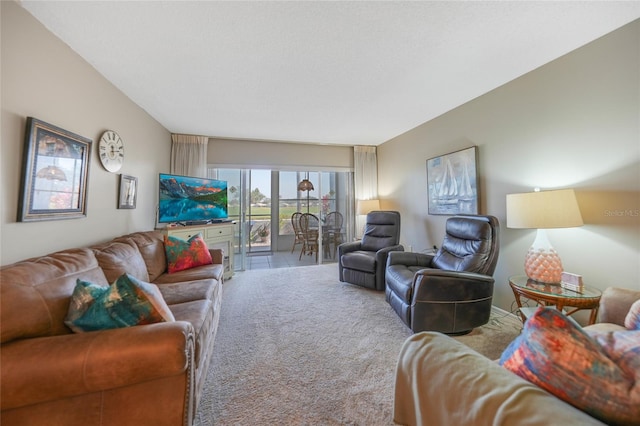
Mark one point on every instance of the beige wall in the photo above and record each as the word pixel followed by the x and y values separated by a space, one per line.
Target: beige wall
pixel 43 78
pixel 279 155
pixel 573 123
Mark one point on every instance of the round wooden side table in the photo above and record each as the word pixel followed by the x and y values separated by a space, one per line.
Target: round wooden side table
pixel 555 295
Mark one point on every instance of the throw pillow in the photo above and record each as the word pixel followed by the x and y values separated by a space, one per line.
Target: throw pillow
pixel 125 303
pixel 183 254
pixel 632 320
pixel 554 353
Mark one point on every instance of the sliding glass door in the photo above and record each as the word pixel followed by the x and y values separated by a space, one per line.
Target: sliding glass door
pixel 263 201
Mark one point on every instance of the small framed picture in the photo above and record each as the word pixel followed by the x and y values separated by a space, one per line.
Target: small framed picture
pixel 128 192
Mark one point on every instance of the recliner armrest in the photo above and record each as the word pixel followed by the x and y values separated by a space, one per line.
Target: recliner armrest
pixel 438 285
pixel 408 258
pixel 383 253
pixel 345 248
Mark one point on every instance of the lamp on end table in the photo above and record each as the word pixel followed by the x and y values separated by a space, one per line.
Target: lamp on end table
pixel 543 210
pixel 364 207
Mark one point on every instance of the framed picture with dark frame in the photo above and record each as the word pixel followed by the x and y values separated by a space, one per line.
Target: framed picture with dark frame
pixel 452 183
pixel 55 173
pixel 128 193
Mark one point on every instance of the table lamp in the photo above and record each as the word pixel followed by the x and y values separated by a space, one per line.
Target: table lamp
pixel 363 207
pixel 543 210
pixel 366 206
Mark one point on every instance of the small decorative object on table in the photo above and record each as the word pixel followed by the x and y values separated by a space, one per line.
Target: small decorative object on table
pixel 572 282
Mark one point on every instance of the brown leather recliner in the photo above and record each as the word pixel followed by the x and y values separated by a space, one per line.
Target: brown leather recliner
pixel 363 262
pixel 451 291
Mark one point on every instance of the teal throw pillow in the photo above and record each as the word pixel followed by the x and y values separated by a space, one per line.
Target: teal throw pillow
pixel 125 303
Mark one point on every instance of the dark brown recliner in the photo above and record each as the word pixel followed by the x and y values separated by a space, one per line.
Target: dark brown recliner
pixel 451 291
pixel 363 262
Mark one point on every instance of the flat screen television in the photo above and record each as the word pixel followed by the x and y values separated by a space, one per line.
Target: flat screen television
pixel 191 200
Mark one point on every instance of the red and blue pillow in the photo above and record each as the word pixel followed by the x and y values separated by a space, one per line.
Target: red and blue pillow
pixel 599 373
pixel 187 254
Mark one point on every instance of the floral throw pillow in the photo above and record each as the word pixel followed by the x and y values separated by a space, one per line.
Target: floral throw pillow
pixel 187 254
pixel 125 303
pixel 556 354
pixel 632 320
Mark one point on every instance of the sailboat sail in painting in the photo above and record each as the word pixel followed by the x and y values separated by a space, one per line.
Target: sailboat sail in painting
pixel 448 192
pixel 452 183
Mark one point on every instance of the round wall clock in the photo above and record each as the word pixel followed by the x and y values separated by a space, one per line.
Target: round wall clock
pixel 111 151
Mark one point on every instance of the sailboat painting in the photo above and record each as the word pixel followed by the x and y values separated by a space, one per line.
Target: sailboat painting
pixel 452 183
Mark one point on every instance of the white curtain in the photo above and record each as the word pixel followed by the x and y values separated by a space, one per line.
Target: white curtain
pixel 365 178
pixel 189 155
pixel 365 172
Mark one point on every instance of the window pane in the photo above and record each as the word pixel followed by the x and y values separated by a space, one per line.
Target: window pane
pixel 288 200
pixel 259 212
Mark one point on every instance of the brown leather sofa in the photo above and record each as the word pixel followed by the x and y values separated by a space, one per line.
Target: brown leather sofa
pixel 143 375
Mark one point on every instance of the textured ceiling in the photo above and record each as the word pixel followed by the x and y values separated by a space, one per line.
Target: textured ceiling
pixel 320 72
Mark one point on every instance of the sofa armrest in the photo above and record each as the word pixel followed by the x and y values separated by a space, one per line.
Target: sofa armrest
pixel 440 381
pixel 615 304
pixel 408 258
pixel 217 255
pixel 50 368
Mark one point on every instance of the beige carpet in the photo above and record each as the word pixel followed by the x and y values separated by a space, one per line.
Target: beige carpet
pixel 297 347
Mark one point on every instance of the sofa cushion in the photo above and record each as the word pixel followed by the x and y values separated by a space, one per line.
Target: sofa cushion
pixel 35 293
pixel 151 246
pixel 188 291
pixel 200 313
pixel 126 302
pixel 204 272
pixel 632 320
pixel 555 353
pixel 187 254
pixel 121 257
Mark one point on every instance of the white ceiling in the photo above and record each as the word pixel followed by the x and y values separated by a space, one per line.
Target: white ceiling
pixel 339 72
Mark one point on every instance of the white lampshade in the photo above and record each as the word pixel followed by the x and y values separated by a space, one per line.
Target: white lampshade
pixel 543 210
pixel 365 206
